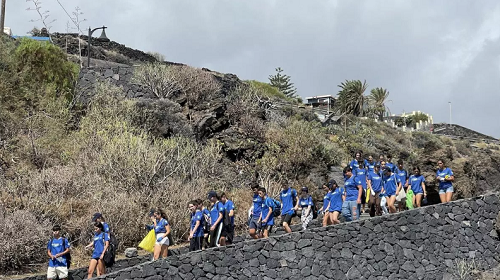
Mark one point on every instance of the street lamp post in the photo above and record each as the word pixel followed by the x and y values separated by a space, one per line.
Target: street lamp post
pixel 102 38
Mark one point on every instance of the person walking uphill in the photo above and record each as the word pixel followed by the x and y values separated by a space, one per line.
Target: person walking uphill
pixel 227 233
pixel 305 202
pixel 336 199
pixel 326 203
pixel 100 244
pixel 58 252
pixel 267 216
pixel 287 196
pixel 445 177
pixel 254 223
pixel 376 189
pixel 162 231
pixel 351 206
pixel 215 218
pixel 196 229
pixel 391 187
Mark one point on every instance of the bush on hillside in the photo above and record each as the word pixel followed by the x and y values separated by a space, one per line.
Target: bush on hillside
pixel 22 242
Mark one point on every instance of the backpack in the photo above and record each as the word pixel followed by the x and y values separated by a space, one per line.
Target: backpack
pixel 314 209
pixel 276 205
pixel 294 202
pixel 226 219
pixel 68 255
pixel 206 224
pixel 110 254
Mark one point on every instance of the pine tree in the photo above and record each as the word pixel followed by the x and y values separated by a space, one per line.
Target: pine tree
pixel 282 83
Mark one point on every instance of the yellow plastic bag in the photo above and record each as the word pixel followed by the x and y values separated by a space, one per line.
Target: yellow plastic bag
pixel 368 191
pixel 148 243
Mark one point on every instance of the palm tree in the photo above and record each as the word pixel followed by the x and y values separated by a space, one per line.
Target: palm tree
pixel 351 98
pixel 377 99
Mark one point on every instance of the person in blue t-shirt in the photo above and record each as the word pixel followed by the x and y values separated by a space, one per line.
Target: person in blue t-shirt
pixel 206 222
pixel 98 217
pixel 305 203
pixel 227 233
pixel 326 203
pixel 375 184
pixel 267 216
pixel 381 158
pixel 58 250
pixel 196 227
pixel 162 231
pixel 390 187
pixel 216 216
pixel 100 243
pixel 336 200
pixel 360 174
pixel 389 164
pixel 353 191
pixel 402 175
pixel 287 196
pixel 445 177
pixel 358 158
pixel 254 223
pixel 417 183
pixel 370 164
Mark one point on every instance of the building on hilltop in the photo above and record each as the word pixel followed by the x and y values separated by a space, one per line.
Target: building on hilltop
pixel 7 31
pixel 322 101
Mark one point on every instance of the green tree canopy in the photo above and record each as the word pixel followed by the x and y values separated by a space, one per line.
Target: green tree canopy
pixel 282 83
pixel 351 99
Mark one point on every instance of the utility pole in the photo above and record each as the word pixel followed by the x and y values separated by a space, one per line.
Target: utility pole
pixel 2 17
pixel 450 113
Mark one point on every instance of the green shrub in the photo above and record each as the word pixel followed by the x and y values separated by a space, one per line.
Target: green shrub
pixel 268 90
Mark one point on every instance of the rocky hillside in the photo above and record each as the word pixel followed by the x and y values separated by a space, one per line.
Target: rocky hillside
pixel 127 139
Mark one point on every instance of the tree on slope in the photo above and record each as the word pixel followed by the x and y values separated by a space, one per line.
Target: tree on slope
pixel 351 99
pixel 377 99
pixel 282 83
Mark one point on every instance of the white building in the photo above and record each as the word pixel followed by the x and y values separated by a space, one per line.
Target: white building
pixel 7 31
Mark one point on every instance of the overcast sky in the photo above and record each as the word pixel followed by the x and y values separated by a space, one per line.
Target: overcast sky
pixel 426 53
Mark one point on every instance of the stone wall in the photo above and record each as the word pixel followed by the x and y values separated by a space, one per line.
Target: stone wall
pixel 422 243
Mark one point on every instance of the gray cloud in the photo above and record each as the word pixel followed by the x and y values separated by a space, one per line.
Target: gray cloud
pixel 426 53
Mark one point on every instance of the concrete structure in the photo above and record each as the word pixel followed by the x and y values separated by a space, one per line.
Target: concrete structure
pixel 7 31
pixel 322 101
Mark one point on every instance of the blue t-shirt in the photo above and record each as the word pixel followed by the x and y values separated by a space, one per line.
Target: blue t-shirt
pixel 360 174
pixel 99 240
pixel 376 181
pixel 402 176
pixel 304 202
pixel 336 200
pixel 197 216
pixel 257 206
pixel 217 208
pixel 442 173
pixel 370 166
pixel 391 166
pixel 416 183
pixel 228 206
pixel 57 246
pixel 351 188
pixel 287 201
pixel 355 164
pixel 106 228
pixel 390 185
pixel 160 226
pixel 266 203
pixel 326 200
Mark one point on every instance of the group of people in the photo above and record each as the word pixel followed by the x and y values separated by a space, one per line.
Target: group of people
pixel 382 181
pixel 58 250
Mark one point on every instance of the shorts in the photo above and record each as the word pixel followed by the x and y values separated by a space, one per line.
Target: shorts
pixel 449 189
pixel 228 232
pixel 164 239
pixel 286 218
pixel 60 272
pixel 254 223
